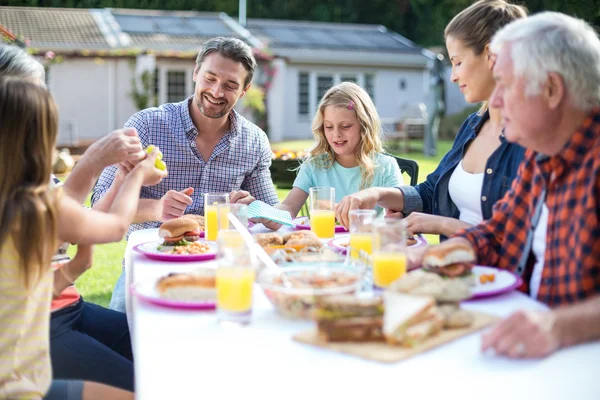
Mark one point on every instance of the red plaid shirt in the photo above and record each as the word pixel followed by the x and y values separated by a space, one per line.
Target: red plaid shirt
pixel 572 182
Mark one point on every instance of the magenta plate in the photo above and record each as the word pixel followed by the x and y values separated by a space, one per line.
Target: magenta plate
pixel 146 292
pixel 337 243
pixel 304 224
pixel 150 250
pixel 504 282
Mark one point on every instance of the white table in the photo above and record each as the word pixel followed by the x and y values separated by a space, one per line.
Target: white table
pixel 187 355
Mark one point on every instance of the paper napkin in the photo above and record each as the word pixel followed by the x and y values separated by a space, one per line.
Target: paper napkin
pixel 259 209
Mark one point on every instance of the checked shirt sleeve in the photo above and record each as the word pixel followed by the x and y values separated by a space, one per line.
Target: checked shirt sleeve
pixel 497 241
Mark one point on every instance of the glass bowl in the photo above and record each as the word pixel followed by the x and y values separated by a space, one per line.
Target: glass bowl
pixel 295 290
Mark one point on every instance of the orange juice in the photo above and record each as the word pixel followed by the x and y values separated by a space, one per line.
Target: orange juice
pixel 360 241
pixel 322 223
pixel 211 222
pixel 234 289
pixel 388 267
pixel 223 218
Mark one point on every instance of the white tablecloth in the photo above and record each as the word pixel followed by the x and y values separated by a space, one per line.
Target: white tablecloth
pixel 187 355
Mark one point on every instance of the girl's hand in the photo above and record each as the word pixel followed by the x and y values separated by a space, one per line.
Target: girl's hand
pixel 152 175
pixel 393 214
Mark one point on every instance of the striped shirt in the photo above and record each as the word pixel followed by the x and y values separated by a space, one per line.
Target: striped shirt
pixel 241 159
pixel 569 183
pixel 25 370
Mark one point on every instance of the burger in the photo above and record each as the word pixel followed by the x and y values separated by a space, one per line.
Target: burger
pixel 347 318
pixel 195 286
pixel 451 259
pixel 179 232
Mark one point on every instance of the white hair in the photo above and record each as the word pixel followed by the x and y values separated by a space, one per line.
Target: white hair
pixel 16 62
pixel 554 42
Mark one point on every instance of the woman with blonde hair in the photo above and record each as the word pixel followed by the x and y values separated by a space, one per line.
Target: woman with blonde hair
pixel 481 166
pixel 33 220
pixel 348 153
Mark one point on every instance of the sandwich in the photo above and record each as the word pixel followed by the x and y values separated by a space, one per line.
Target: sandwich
pixel 409 320
pixel 451 260
pixel 347 318
pixel 199 285
pixel 446 292
pixel 179 232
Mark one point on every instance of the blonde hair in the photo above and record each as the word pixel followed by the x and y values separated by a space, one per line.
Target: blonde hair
pixel 27 137
pixel 476 25
pixel 343 95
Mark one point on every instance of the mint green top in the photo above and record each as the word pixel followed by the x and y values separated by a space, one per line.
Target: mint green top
pixel 347 180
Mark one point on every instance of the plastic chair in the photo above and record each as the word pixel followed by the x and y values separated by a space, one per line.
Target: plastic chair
pixel 411 167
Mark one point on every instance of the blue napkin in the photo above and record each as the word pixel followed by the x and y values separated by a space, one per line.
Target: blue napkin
pixel 259 209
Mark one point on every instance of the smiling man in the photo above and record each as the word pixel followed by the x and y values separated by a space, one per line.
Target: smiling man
pixel 547 227
pixel 207 145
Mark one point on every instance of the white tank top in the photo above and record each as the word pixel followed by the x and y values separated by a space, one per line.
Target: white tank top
pixel 465 192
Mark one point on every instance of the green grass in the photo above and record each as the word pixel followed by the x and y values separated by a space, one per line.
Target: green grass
pixel 96 285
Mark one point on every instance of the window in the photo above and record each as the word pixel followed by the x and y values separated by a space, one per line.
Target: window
pixel 303 92
pixel 176 90
pixel 156 83
pixel 324 82
pixel 313 85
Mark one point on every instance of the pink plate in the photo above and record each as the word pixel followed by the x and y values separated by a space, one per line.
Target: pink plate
pixel 504 281
pixel 146 292
pixel 340 244
pixel 304 224
pixel 150 250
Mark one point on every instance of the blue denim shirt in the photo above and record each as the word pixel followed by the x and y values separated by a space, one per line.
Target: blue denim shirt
pixel 432 196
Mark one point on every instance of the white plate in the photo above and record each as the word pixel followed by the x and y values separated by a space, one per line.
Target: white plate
pixel 504 281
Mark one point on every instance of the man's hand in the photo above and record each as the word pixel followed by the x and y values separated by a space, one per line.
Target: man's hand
pixel 152 175
pixel 240 197
pixel 365 199
pixel 174 203
pixel 525 334
pixel 122 145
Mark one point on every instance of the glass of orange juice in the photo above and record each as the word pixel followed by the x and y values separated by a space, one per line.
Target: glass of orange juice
pixel 322 211
pixel 389 251
pixel 236 271
pixel 361 232
pixel 212 202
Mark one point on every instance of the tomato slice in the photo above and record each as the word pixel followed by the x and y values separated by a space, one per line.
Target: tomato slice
pixel 174 239
pixel 192 233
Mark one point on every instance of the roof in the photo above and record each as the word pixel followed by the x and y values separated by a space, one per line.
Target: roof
pixel 54 28
pixel 329 36
pixel 92 30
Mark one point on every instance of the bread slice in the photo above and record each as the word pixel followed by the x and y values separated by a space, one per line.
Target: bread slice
pixel 410 319
pixel 357 329
pixel 199 285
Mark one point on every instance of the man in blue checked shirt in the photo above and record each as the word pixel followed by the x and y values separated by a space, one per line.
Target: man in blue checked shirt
pixel 206 144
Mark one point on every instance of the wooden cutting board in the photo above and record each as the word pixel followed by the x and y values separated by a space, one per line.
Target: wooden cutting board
pixel 382 352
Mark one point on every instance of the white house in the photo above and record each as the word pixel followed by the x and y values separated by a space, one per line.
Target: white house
pixel 103 50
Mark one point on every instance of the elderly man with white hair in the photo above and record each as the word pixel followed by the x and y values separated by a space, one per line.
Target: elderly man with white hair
pixel 547 227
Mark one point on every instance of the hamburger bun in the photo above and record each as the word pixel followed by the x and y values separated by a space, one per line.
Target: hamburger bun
pixel 448 253
pixel 179 228
pixel 199 285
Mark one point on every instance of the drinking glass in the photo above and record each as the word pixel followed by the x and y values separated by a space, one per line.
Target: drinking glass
pixel 212 201
pixel 236 271
pixel 322 211
pixel 241 213
pixel 361 231
pixel 389 251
